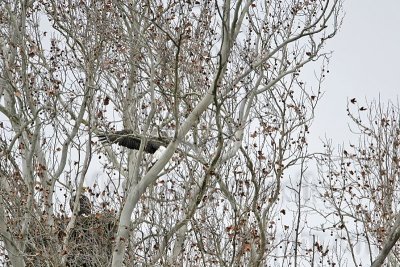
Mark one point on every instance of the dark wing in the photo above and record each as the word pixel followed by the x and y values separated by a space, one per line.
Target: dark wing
pixel 85 207
pixel 126 138
pixel 152 146
pixel 127 141
pixel 122 138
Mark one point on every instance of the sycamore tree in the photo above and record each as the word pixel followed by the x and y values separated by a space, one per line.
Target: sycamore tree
pixel 219 82
pixel 360 186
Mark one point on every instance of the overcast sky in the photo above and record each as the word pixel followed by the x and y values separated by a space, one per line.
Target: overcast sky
pixel 365 64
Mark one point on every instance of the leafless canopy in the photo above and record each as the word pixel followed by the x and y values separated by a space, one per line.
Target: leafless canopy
pixel 222 84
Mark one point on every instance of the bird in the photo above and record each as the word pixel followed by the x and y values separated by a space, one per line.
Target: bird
pixel 85 207
pixel 126 138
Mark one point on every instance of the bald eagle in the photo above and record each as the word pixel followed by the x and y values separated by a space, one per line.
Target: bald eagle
pixel 127 138
pixel 85 207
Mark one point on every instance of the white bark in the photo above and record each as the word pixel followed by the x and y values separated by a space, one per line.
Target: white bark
pixel 387 246
pixel 149 178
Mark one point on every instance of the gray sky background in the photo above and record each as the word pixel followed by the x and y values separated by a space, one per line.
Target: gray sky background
pixel 364 64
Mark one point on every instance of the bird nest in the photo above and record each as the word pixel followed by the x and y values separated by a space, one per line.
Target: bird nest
pixel 90 242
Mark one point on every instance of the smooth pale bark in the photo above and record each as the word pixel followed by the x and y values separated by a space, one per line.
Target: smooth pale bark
pixel 178 246
pixel 11 246
pixel 149 178
pixel 135 193
pixel 394 235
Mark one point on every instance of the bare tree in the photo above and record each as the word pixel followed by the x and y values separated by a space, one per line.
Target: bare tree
pixel 219 83
pixel 361 184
